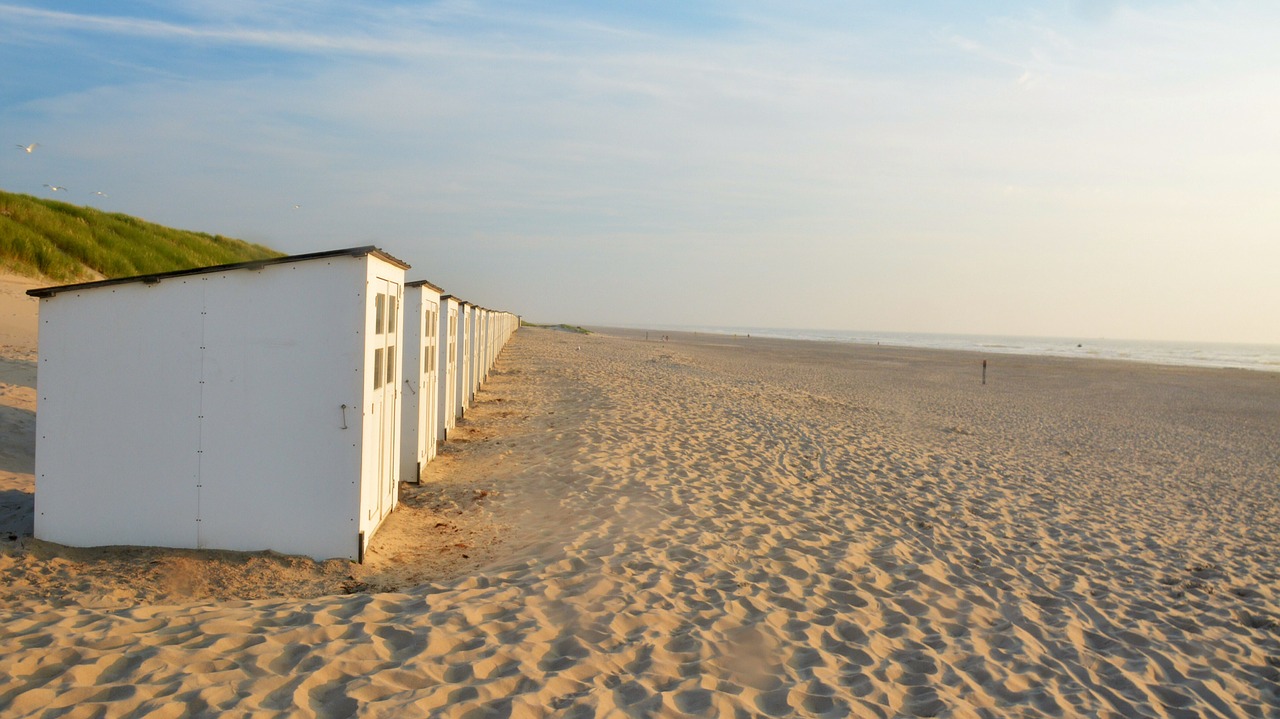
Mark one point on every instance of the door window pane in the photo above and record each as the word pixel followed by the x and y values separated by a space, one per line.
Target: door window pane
pixel 391 364
pixel 391 314
pixel 379 312
pixel 377 368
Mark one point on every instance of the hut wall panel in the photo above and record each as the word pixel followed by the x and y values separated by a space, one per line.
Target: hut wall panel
pixel 283 354
pixel 117 439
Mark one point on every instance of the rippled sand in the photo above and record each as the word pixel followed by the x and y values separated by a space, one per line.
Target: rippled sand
pixel 721 527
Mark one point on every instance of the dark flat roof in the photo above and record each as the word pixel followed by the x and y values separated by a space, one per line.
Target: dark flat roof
pixel 250 265
pixel 424 283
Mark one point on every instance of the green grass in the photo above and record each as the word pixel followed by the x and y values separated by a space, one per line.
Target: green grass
pixel 67 243
pixel 561 327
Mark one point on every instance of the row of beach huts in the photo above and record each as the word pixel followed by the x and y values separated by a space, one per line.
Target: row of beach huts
pixel 274 404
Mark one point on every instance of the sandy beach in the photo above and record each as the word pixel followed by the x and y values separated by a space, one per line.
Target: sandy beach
pixel 718 526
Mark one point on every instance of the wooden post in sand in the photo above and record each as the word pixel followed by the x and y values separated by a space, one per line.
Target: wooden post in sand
pixel 984 371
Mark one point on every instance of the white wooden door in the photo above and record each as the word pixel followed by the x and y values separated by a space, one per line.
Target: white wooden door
pixel 427 384
pixel 451 371
pixel 386 408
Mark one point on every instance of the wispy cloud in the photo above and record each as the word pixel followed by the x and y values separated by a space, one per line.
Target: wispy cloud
pixel 421 45
pixel 1029 79
pixel 142 27
pixel 403 32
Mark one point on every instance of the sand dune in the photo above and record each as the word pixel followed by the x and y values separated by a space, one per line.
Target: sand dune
pixel 730 527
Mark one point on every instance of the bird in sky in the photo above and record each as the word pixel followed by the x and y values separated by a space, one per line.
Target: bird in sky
pixel 55 188
pixel 29 148
pixel 297 207
pixel 100 193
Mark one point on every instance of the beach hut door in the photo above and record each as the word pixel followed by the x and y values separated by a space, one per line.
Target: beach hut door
pixel 426 382
pixel 386 387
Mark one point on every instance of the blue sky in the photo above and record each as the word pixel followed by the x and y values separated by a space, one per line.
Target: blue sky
pixel 1065 168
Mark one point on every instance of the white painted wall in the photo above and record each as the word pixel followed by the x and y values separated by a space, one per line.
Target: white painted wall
pixel 447 417
pixel 380 451
pixel 430 385
pixel 477 353
pixel 419 401
pixel 117 435
pixel 461 395
pixel 205 411
pixel 482 346
pixel 493 344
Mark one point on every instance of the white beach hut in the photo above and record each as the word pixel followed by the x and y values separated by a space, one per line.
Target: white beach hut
pixel 477 351
pixel 482 363
pixel 419 401
pixel 496 344
pixel 462 397
pixel 486 346
pixel 482 343
pixel 495 341
pixel 447 417
pixel 246 407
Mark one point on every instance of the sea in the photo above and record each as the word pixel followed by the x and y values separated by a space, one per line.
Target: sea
pixel 1190 354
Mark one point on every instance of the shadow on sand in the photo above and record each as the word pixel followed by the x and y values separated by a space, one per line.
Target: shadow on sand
pixel 18 371
pixel 17 513
pixel 18 448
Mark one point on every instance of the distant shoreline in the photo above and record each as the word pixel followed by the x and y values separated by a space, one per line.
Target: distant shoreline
pixel 1200 355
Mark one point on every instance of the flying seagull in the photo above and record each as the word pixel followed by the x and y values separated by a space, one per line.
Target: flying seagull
pixel 55 188
pixel 29 148
pixel 297 207
pixel 100 193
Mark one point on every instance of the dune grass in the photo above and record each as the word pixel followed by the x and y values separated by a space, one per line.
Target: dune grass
pixel 66 243
pixel 560 327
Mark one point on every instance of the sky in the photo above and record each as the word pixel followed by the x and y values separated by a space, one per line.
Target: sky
pixel 1073 168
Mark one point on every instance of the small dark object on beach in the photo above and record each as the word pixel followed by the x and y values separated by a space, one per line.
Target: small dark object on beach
pixel 354 586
